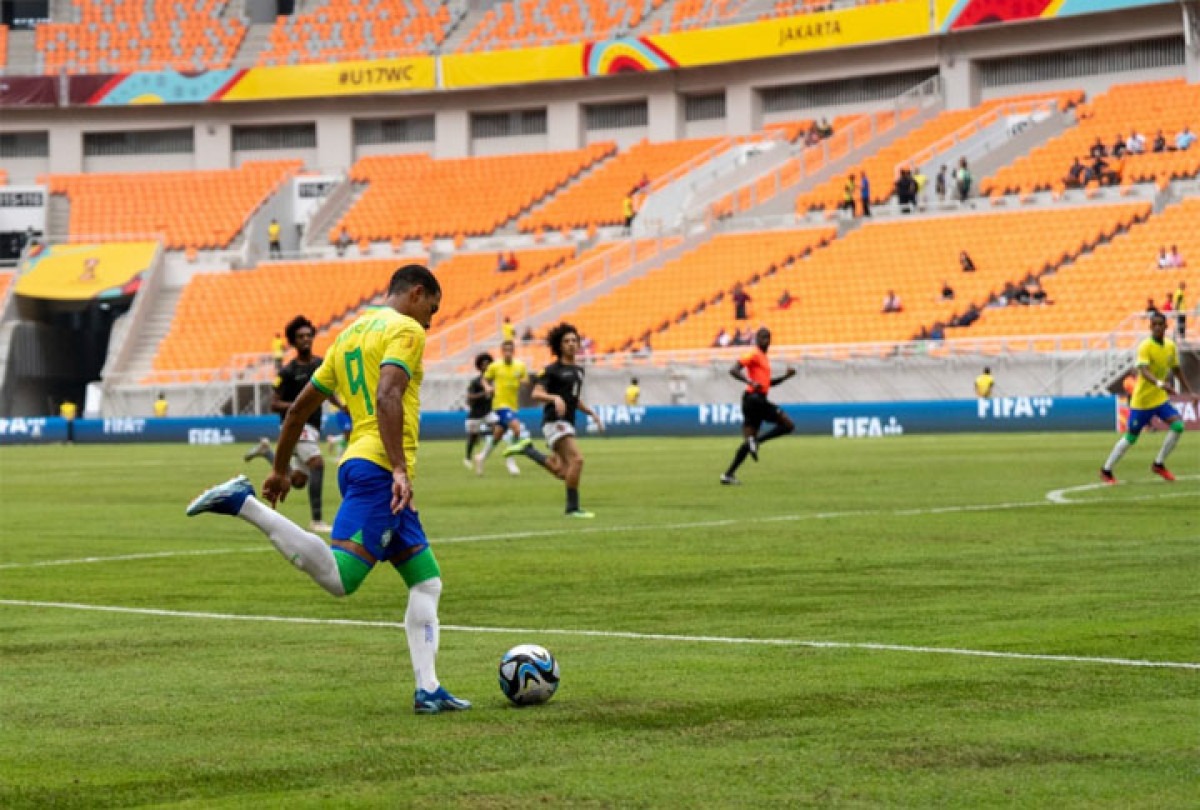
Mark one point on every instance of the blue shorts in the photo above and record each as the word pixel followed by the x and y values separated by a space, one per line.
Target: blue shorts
pixel 365 515
pixel 505 416
pixel 1140 419
pixel 343 422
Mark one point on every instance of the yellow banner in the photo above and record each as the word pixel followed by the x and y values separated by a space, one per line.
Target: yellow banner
pixel 552 63
pixel 73 272
pixel 335 79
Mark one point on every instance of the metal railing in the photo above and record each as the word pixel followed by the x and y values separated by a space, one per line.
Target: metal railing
pixel 974 127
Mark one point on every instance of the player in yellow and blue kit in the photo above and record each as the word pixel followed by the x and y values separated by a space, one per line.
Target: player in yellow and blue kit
pixel 1157 363
pixel 503 380
pixel 375 368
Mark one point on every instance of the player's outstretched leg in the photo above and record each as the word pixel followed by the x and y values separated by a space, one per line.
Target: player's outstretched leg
pixel 1174 434
pixel 305 551
pixel 1119 449
pixel 423 577
pixel 730 477
pixel 261 450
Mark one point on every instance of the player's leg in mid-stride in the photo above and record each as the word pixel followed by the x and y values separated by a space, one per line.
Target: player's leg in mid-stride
pixel 756 410
pixel 1138 421
pixel 340 567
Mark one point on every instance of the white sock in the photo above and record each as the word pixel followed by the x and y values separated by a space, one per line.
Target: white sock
pixel 1118 450
pixel 421 627
pixel 305 551
pixel 488 441
pixel 1167 446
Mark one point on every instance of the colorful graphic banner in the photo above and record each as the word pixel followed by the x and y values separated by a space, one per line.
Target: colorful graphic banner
pixel 955 15
pixel 71 272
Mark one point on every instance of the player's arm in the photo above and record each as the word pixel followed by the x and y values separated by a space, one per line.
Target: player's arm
pixel 582 406
pixel 278 403
pixel 276 487
pixel 787 375
pixel 540 394
pixel 389 398
pixel 1148 376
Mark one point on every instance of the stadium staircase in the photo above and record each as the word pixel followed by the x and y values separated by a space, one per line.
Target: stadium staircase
pixel 22 53
pixel 253 44
pixel 320 232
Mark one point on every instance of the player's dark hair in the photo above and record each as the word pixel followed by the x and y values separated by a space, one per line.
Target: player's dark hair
pixel 1158 316
pixel 482 359
pixel 555 337
pixel 413 275
pixel 295 325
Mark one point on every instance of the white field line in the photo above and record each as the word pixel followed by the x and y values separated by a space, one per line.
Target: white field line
pixel 671 637
pixel 1053 498
pixel 1059 496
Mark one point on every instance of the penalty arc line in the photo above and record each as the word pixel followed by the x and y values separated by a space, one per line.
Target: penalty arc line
pixel 624 635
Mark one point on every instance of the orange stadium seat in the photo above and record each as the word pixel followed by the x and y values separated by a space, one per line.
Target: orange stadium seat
pixel 526 23
pixel 196 209
pixel 597 198
pixel 881 166
pixel 221 315
pixel 471 281
pixel 839 290
pixel 3 177
pixel 626 317
pixel 6 280
pixel 1146 107
pixel 114 37
pixel 1101 289
pixel 687 14
pixel 345 30
pixel 3 45
pixel 417 197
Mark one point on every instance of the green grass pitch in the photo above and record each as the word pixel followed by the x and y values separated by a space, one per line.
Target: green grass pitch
pixel 922 543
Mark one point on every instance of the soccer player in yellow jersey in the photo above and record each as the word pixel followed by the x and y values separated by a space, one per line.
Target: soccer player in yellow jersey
pixel 1157 363
pixel 375 368
pixel 503 380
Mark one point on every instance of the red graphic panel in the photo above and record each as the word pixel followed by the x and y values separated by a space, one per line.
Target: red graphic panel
pixel 987 12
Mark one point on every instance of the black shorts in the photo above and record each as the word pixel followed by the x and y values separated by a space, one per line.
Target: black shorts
pixel 757 409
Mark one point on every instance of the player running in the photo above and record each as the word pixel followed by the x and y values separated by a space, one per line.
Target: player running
pixel 558 388
pixel 754 369
pixel 307 463
pixel 1157 362
pixel 376 366
pixel 480 418
pixel 503 380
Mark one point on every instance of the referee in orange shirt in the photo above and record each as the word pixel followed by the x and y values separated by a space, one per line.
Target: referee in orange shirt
pixel 754 369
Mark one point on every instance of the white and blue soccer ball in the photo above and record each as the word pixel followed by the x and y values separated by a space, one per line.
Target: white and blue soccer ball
pixel 528 675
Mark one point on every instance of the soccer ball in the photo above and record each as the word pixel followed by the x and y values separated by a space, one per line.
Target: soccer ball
pixel 528 675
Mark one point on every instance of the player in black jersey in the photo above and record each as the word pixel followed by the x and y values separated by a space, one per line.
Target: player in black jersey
pixel 307 462
pixel 558 388
pixel 480 418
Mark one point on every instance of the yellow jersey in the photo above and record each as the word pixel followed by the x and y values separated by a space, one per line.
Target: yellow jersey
pixel 983 385
pixel 379 337
pixel 67 410
pixel 1160 359
pixel 508 332
pixel 632 395
pixel 160 408
pixel 507 379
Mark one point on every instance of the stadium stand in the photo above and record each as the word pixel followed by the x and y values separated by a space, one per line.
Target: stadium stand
pixel 418 197
pixel 687 14
pixel 111 37
pixel 625 318
pixel 222 315
pixel 597 199
pixel 3 177
pixel 471 280
pixel 6 280
pixel 1146 107
pixel 1101 289
pixel 526 23
pixel 3 45
pixel 195 210
pixel 345 30
pixel 881 167
pixel 838 290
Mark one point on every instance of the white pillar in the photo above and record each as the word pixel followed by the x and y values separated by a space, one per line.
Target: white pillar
pixel 453 134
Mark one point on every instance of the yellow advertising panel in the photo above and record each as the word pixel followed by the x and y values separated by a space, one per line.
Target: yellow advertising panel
pixel 552 63
pixel 83 272
pixel 335 79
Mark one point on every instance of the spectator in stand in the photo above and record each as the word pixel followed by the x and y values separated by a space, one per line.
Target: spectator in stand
pixel 1136 143
pixel 1160 142
pixel 826 129
pixel 1076 175
pixel 508 332
pixel 906 191
pixel 938 332
pixel 1151 308
pixel 1164 259
pixel 1177 301
pixel 892 302
pixel 919 181
pixel 1167 304
pixel 740 299
pixel 984 384
pixel 627 211
pixel 1118 147
pixel 745 337
pixel 1115 174
pixel 1099 169
pixel 785 300
pixel 527 336
pixel 1177 259
pixel 501 263
pixel 513 263
pixel 161 406
pixel 722 339
pixel 1098 150
pixel 848 191
pixel 1184 139
pixel 964 261
pixel 939 184
pixel 864 193
pixel 273 248
pixel 343 241
pixel 962 178
pixel 644 183
pixel 947 291
pixel 1036 292
pixel 277 350
pixel 813 136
